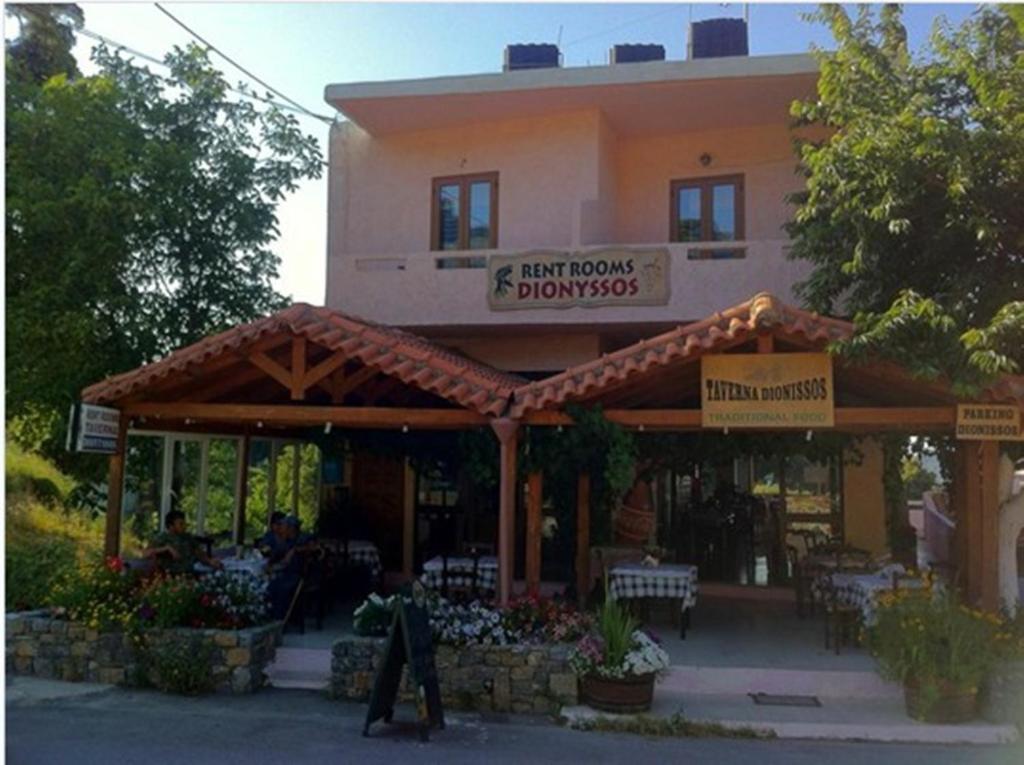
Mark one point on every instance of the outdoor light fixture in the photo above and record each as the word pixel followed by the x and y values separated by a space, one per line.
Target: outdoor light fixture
pixel 810 434
pixel 704 159
pixel 259 424
pixel 405 428
pixel 327 428
pixel 641 428
pixel 188 420
pixel 725 431
pixel 559 428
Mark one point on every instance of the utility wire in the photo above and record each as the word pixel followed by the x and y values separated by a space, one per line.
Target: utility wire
pixel 238 66
pixel 630 23
pixel 158 62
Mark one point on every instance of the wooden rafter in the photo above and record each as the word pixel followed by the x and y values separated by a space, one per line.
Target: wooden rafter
pixel 290 414
pixel 272 368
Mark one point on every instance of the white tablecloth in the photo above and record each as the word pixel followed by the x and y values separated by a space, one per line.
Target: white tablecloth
pixel 634 580
pixel 254 567
pixel 460 572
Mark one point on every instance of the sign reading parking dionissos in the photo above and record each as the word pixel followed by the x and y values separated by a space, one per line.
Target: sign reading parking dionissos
pixel 562 279
pixel 988 422
pixel 776 390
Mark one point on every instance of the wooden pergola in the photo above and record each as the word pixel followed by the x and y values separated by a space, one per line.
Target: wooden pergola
pixel 307 367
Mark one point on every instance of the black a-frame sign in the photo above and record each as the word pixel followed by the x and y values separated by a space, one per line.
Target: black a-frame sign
pixel 409 642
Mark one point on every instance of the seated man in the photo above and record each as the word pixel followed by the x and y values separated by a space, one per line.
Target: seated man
pixel 289 567
pixel 175 551
pixel 276 542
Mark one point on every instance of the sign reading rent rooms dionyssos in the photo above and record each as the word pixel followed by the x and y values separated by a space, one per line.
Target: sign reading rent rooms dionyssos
pixel 563 279
pixel 988 422
pixel 777 390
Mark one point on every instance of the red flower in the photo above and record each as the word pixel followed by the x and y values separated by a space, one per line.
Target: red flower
pixel 115 564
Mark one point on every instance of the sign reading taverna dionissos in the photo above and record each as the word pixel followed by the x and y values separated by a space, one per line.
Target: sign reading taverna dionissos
pixel 551 279
pixel 776 390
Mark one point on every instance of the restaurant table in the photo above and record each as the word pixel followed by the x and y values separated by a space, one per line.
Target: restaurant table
pixel 862 590
pixel 460 573
pixel 361 552
pixel 628 581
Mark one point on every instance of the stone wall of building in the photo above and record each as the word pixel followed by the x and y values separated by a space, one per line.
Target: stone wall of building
pixel 1003 696
pixel 516 678
pixel 42 646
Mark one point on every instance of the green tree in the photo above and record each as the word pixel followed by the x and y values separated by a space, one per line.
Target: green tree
pixel 912 212
pixel 43 45
pixel 141 216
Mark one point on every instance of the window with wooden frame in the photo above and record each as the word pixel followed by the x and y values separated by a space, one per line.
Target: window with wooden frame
pixel 706 209
pixel 464 212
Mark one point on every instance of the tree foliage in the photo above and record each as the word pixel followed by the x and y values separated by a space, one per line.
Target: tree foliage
pixel 142 210
pixel 912 213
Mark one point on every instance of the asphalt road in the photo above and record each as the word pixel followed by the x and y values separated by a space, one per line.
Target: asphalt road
pixel 278 726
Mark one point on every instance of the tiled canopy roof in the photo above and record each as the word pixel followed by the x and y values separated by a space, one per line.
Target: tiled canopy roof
pixel 761 312
pixel 412 359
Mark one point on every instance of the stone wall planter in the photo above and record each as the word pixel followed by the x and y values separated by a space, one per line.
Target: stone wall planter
pixel 952 706
pixel 41 646
pixel 517 678
pixel 1003 695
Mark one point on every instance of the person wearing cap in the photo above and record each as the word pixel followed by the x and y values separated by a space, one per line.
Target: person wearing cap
pixel 288 567
pixel 276 543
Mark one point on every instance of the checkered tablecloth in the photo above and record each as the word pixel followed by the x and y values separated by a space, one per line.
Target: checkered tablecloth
pixel 360 553
pixel 460 573
pixel 252 566
pixel 860 590
pixel 634 580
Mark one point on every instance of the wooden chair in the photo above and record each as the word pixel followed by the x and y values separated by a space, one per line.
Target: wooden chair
pixel 842 620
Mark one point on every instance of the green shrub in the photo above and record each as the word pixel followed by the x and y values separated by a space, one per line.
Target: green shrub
pixel 30 474
pixel 180 666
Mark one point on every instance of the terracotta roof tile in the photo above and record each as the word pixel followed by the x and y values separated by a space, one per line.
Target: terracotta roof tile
pixel 412 359
pixel 763 311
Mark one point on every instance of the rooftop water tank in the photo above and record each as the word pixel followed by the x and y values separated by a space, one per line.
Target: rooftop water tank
pixel 716 38
pixel 633 53
pixel 532 56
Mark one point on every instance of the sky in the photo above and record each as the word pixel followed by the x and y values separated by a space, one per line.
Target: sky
pixel 299 48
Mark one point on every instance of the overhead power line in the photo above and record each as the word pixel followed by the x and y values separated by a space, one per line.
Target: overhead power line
pixel 623 25
pixel 235 64
pixel 154 60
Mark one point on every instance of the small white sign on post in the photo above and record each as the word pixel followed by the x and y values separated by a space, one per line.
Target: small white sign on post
pixel 94 429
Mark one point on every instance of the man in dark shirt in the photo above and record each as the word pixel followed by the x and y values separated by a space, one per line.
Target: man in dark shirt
pixel 175 551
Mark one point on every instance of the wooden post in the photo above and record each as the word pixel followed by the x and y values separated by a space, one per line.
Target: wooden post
pixel 241 489
pixel 534 504
pixel 408 518
pixel 115 492
pixel 506 430
pixel 972 521
pixel 959 506
pixel 989 523
pixel 583 538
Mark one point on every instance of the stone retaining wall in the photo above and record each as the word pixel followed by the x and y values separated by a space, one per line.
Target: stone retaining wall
pixel 42 646
pixel 517 678
pixel 1003 697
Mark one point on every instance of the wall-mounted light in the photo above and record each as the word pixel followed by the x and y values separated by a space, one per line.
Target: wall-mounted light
pixel 641 428
pixel 405 427
pixel 704 159
pixel 810 434
pixel 327 428
pixel 259 424
pixel 725 431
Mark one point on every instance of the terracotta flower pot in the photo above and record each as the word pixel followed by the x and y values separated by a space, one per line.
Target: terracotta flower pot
pixel 627 695
pixel 952 705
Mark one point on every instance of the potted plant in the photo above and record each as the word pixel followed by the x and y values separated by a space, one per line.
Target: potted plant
pixel 617 663
pixel 1003 694
pixel 940 650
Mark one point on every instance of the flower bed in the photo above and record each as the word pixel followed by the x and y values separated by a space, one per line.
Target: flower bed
pixel 40 645
pixel 508 660
pixel 180 634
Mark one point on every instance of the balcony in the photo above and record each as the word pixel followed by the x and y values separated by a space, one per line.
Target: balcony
pixel 413 290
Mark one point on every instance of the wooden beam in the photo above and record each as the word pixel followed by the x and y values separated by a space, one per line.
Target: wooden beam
pixel 272 368
pixel 353 381
pixel 850 418
pixel 766 343
pixel 115 491
pixel 408 518
pixel 241 489
pixel 534 505
pixel 972 520
pixel 322 370
pixel 989 526
pixel 290 414
pixel 583 539
pixel 506 431
pixel 298 389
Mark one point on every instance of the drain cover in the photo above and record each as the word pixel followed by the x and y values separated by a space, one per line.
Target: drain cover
pixel 784 700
